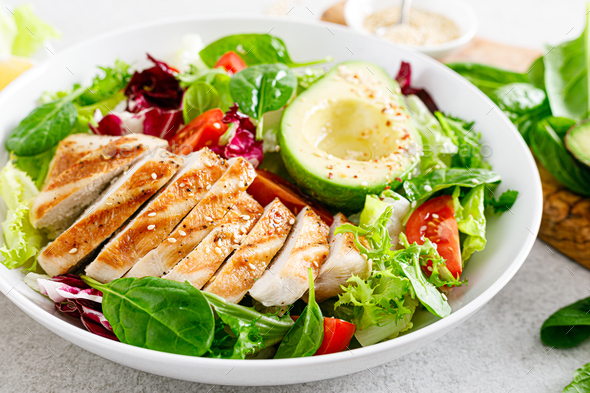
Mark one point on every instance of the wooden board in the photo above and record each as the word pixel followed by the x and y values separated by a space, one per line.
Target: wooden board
pixel 566 216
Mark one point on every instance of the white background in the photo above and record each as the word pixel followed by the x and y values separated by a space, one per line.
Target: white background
pixel 497 350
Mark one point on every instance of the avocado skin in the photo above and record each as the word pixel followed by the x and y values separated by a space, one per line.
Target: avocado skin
pixel 341 198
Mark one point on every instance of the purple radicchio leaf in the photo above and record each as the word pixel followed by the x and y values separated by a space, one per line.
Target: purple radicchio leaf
pixel 151 121
pixel 404 79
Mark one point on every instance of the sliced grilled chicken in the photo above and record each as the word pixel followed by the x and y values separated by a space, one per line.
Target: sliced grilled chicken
pixel 200 265
pixel 198 223
pixel 286 280
pixel 343 261
pixel 156 220
pixel 111 210
pixel 58 205
pixel 237 275
pixel 71 150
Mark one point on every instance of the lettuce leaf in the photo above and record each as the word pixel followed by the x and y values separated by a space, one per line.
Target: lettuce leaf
pixel 504 201
pixel 471 220
pixel 8 32
pixel 22 241
pixel 376 205
pixel 113 81
pixel 32 32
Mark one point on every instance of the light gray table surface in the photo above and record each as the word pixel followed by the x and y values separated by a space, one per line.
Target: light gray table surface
pixel 497 350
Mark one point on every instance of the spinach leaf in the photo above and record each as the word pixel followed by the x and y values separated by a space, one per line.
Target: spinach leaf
pixel 568 326
pixel 424 186
pixel 487 78
pixel 253 49
pixel 44 127
pixel 114 80
pixel 504 202
pixel 215 77
pixel 536 73
pixel 524 104
pixel 35 166
pixel 306 335
pixel 252 329
pixel 471 220
pixel 158 314
pixel 581 382
pixel 221 83
pixel 547 143
pixel 262 88
pixel 468 153
pixel 198 98
pixel 566 77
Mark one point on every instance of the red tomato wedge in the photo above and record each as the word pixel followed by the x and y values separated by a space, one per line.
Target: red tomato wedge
pixel 435 220
pixel 267 186
pixel 231 62
pixel 203 130
pixel 337 335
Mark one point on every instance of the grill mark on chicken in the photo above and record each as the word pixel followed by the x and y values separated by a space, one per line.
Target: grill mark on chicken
pixel 163 213
pixel 99 222
pixel 198 223
pixel 200 265
pixel 247 264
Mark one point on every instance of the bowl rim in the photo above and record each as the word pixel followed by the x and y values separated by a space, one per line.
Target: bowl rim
pixel 458 42
pixel 66 330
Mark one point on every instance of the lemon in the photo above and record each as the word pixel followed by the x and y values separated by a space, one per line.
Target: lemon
pixel 11 68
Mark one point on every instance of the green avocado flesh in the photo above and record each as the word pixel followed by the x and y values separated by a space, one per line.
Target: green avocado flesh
pixel 577 142
pixel 348 135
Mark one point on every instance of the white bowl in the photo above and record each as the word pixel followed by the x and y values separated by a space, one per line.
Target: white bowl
pixel 355 12
pixel 510 236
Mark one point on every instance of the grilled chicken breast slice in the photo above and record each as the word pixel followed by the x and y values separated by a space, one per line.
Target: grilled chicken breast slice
pixel 71 150
pixel 159 217
pixel 286 280
pixel 343 261
pixel 62 201
pixel 111 211
pixel 200 265
pixel 198 223
pixel 249 261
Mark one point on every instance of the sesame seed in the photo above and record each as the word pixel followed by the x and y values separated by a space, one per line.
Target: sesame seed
pixel 217 125
pixel 235 246
pixel 330 166
pixel 219 243
pixel 182 233
pixel 212 278
pixel 413 204
pixel 181 185
pixel 151 227
pixel 152 214
pixel 191 194
pixel 252 266
pixel 292 221
pixel 208 187
pixel 330 156
pixel 241 184
pixel 429 268
pixel 73 250
pixel 277 148
pixel 218 250
pixel 172 240
pixel 207 218
pixel 315 264
pixel 208 164
pixel 154 176
pixel 422 228
pixel 243 230
pixel 427 188
pixel 246 217
pixel 317 153
pixel 475 181
pixel 109 203
pixel 434 215
pixel 364 184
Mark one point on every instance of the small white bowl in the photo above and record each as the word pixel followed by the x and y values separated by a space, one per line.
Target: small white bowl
pixel 355 12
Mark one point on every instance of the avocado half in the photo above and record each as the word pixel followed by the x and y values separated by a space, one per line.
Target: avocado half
pixel 349 135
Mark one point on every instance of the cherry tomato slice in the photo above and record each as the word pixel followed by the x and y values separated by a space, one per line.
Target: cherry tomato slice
pixel 267 186
pixel 203 130
pixel 337 335
pixel 435 220
pixel 231 62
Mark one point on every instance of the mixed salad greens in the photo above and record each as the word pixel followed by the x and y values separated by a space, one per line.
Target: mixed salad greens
pixel 422 213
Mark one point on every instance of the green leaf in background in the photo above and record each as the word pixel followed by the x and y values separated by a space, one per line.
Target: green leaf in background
pixel 248 326
pixel 423 186
pixel 568 326
pixel 471 220
pixel 487 78
pixel 566 77
pixel 306 335
pixel 504 201
pixel 581 382
pixel 536 73
pixel 158 314
pixel 8 32
pixel 547 143
pixel 198 98
pixel 36 166
pixel 524 104
pixel 105 86
pixel 32 32
pixel 254 49
pixel 262 88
